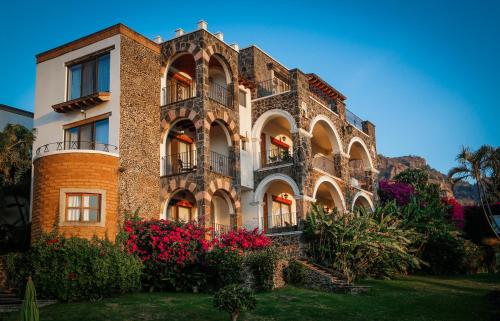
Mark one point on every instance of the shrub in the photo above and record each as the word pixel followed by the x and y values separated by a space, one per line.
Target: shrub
pixel 224 267
pixel 172 253
pixel 294 273
pixel 400 192
pixel 71 269
pixel 245 240
pixel 360 245
pixel 444 252
pixel 455 211
pixel 234 299
pixel 263 264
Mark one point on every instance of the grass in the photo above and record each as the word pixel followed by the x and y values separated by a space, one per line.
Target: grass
pixel 415 298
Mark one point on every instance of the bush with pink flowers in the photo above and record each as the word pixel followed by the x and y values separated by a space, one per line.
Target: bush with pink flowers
pixel 393 190
pixel 245 240
pixel 455 211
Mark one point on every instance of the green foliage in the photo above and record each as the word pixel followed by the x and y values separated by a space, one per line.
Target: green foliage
pixel 224 267
pixel 71 269
pixel 263 264
pixel 29 309
pixel 360 245
pixel 294 273
pixel 416 177
pixel 445 252
pixel 15 153
pixel 234 299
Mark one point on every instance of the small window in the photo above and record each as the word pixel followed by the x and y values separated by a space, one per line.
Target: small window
pixel 94 135
pixel 83 207
pixel 89 77
pixel 243 98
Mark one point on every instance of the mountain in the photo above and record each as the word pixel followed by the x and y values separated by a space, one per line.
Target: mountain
pixel 391 166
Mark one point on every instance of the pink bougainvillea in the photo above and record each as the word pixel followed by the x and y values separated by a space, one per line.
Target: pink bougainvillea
pixel 167 242
pixel 392 190
pixel 455 210
pixel 245 240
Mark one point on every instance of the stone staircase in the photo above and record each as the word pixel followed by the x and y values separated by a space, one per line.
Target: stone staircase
pixel 9 301
pixel 322 278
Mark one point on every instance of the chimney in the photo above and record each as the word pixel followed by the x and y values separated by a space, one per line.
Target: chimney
pixel 202 24
pixel 235 47
pixel 179 32
pixel 158 39
pixel 219 35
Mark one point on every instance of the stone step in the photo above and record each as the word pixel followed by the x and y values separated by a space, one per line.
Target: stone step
pixel 10 307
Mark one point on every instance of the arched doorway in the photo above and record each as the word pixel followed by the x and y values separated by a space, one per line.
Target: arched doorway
pixel 325 143
pixel 221 160
pixel 362 201
pixel 219 81
pixel 360 164
pixel 180 81
pixel 179 149
pixel 181 207
pixel 223 217
pixel 328 193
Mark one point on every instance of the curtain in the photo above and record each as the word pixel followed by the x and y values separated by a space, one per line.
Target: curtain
pixel 88 78
pixel 74 213
pixel 75 77
pixel 101 133
pixel 86 210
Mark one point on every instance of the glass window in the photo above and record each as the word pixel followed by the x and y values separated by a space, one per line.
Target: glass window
pixel 94 135
pixel 89 77
pixel 83 207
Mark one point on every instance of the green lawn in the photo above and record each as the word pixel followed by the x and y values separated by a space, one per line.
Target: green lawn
pixel 411 298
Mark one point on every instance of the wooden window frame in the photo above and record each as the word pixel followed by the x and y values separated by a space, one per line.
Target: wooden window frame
pixel 93 57
pixel 79 125
pixel 82 207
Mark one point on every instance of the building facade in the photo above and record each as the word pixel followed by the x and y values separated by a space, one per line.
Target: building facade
pixel 191 128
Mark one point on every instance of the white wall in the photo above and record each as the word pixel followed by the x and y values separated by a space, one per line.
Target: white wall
pixel 246 158
pixel 50 89
pixel 7 117
pixel 219 140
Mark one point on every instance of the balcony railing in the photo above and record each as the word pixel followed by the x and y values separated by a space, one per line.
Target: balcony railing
pixel 220 94
pixel 221 164
pixel 220 229
pixel 179 163
pixel 325 164
pixel 276 156
pixel 75 145
pixel 280 222
pixel 271 87
pixel 354 120
pixel 175 92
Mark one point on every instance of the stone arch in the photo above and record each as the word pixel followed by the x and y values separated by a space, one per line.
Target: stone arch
pixel 226 186
pixel 269 115
pixel 174 186
pixel 228 71
pixel 222 118
pixel 365 152
pixel 261 188
pixel 362 196
pixel 335 140
pixel 330 181
pixel 173 116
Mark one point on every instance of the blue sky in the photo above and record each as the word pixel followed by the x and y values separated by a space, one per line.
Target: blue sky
pixel 426 73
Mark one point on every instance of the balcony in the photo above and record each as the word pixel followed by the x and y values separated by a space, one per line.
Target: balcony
pixel 217 230
pixel 354 120
pixel 175 92
pixel 276 156
pixel 272 86
pixel 179 163
pixel 361 181
pixel 75 145
pixel 220 94
pixel 280 223
pixel 82 103
pixel 222 164
pixel 325 164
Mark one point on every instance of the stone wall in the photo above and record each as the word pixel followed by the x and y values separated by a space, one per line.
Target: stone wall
pixel 139 183
pixel 289 244
pixel 78 170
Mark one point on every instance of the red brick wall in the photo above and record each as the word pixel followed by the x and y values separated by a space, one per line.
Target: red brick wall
pixel 73 170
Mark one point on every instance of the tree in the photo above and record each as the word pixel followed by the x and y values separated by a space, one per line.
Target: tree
pixel 477 166
pixel 29 309
pixel 16 142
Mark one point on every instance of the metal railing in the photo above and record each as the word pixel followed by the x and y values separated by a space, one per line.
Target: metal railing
pixel 276 156
pixel 220 229
pixel 175 92
pixel 272 86
pixel 325 164
pixel 354 120
pixel 179 163
pixel 221 164
pixel 220 94
pixel 75 145
pixel 280 222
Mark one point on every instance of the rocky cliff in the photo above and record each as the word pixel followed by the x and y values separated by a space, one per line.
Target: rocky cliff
pixel 391 166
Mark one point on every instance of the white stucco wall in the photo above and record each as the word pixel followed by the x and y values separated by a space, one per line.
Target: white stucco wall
pixel 7 117
pixel 246 157
pixel 50 89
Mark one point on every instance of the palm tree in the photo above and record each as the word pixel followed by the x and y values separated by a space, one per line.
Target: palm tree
pixel 475 165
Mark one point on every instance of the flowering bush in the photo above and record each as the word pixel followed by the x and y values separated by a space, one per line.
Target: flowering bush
pixel 171 252
pixel 398 191
pixel 245 240
pixel 455 210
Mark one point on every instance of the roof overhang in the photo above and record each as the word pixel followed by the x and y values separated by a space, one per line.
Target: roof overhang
pixel 317 82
